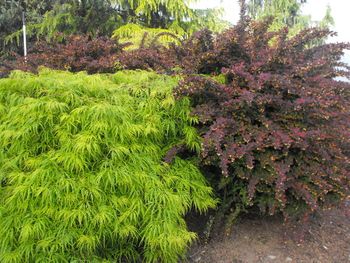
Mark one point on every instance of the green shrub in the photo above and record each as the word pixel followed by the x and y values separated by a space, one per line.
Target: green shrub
pixel 82 173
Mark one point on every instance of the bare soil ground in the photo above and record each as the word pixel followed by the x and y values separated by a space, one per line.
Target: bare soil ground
pixel 267 240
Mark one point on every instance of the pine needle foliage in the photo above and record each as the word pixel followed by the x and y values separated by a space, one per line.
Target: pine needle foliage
pixel 82 172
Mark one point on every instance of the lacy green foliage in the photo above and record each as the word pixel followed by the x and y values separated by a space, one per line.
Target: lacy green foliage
pixel 81 170
pixel 277 127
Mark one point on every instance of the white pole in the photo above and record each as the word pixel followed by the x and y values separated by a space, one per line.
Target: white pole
pixel 24 37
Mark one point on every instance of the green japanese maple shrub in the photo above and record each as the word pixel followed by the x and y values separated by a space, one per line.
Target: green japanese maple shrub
pixel 82 172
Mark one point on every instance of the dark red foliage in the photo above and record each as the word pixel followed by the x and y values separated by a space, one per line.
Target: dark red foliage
pixel 76 53
pixel 279 128
pixel 196 54
pixel 4 68
pixel 155 58
pixel 94 55
pixel 150 57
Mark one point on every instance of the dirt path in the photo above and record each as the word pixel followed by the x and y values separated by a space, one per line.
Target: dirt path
pixel 264 240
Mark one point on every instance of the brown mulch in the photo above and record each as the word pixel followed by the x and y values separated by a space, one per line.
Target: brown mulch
pixel 255 240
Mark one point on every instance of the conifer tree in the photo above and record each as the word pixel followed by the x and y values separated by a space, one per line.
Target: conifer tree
pixel 286 13
pixel 11 16
pixel 102 17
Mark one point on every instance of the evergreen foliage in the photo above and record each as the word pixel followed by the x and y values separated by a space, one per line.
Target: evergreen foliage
pixel 140 37
pixel 11 17
pixel 102 17
pixel 286 13
pixel 172 32
pixel 93 17
pixel 82 173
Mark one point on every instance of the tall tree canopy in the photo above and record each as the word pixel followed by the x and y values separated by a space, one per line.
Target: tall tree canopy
pixel 102 17
pixel 11 15
pixel 286 13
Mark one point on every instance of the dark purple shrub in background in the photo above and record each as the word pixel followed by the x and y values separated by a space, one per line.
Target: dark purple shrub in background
pixel 74 53
pixel 93 55
pixel 156 58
